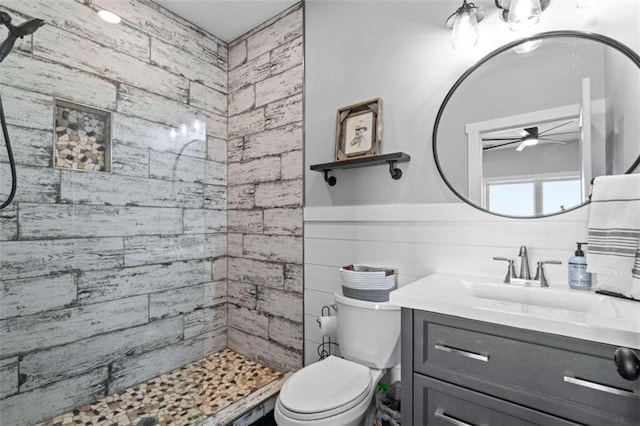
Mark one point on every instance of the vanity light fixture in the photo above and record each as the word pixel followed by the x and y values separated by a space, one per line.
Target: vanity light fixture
pixel 464 22
pixel 520 14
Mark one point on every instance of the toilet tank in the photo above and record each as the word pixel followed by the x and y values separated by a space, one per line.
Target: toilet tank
pixel 368 332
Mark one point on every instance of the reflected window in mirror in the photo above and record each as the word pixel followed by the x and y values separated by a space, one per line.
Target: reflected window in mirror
pixel 532 198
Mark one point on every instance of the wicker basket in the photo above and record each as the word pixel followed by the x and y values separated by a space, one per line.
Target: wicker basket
pixel 369 283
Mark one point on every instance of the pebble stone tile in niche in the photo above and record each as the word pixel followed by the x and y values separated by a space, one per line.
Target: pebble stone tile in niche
pixel 82 138
pixel 185 396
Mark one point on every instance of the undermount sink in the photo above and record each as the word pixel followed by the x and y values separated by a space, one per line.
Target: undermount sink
pixel 532 295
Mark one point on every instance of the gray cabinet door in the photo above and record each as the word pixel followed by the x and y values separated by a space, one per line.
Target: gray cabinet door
pixel 440 403
pixel 555 374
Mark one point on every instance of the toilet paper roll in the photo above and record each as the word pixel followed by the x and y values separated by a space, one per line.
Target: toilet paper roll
pixel 328 326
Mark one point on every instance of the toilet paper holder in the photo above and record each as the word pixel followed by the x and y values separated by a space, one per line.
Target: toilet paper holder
pixel 328 346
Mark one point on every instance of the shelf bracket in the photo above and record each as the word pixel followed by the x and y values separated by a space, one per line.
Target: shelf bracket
pixel 331 180
pixel 395 172
pixel 392 159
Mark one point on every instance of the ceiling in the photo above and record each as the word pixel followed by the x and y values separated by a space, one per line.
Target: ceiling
pixel 226 19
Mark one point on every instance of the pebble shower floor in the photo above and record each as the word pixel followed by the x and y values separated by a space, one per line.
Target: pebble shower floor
pixel 185 396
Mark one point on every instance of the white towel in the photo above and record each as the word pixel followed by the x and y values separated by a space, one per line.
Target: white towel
pixel 614 234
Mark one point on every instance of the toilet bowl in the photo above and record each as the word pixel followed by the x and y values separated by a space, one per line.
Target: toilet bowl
pixel 337 391
pixel 331 392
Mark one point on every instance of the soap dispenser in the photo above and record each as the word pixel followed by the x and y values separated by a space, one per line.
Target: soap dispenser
pixel 579 278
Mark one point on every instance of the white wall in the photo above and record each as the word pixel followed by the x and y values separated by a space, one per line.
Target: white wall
pixel 422 239
pixel 400 51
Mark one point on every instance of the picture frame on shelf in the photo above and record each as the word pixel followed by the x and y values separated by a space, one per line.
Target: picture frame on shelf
pixel 359 130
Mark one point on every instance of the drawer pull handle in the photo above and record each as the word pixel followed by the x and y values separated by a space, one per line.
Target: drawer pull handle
pixel 599 387
pixel 473 355
pixel 439 413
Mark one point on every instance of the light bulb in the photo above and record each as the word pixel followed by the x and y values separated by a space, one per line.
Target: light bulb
pixel 465 30
pixel 523 14
pixel 110 17
pixel 527 142
pixel 183 129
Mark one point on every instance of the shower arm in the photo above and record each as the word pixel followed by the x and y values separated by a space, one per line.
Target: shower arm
pixel 4 18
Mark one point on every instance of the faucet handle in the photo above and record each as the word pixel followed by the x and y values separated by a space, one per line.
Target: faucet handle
pixel 540 271
pixel 511 271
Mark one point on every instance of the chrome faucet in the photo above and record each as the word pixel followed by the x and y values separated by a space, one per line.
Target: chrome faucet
pixel 525 274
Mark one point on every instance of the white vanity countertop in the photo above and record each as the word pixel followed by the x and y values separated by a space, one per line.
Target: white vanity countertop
pixel 563 311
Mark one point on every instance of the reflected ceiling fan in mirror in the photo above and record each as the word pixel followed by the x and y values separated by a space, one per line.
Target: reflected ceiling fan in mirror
pixel 558 132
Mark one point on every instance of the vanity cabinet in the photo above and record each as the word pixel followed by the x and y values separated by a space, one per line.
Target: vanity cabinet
pixel 457 371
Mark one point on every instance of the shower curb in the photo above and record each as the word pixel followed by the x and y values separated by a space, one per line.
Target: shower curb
pixel 248 409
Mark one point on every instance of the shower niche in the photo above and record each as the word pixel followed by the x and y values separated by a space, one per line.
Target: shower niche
pixel 82 137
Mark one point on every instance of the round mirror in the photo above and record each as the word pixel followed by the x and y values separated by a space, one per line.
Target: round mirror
pixel 525 130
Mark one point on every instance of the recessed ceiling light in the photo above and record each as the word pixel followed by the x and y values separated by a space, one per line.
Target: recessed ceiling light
pixel 110 17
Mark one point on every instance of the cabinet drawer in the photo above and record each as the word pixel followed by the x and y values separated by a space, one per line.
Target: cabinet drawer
pixel 518 365
pixel 440 403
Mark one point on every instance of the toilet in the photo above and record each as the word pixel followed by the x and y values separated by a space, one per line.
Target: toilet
pixel 337 391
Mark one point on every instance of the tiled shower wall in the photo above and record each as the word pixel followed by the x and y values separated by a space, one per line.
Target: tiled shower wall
pixel 265 192
pixel 108 279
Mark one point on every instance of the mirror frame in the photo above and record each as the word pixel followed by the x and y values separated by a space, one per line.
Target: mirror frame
pixel 628 52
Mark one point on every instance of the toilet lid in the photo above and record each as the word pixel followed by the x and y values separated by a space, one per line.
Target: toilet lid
pixel 326 385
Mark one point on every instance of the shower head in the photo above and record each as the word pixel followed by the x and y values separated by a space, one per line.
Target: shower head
pixel 26 28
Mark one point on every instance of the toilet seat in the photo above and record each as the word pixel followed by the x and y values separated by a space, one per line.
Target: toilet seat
pixel 324 389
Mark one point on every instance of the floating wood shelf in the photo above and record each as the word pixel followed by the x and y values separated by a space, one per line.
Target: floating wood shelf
pixel 392 159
